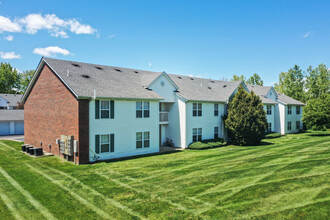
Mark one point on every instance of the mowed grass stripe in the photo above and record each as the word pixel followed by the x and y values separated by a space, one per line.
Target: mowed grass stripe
pixel 27 195
pixel 83 200
pixel 11 207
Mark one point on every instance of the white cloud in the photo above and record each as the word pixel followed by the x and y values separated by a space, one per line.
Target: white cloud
pixel 9 38
pixel 9 55
pixel 57 27
pixel 51 51
pixel 149 64
pixel 6 25
pixel 308 34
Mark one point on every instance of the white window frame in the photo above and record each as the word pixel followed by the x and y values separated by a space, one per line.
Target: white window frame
pixel 216 132
pixel 197 109
pixel 104 109
pixel 298 107
pixel 143 139
pixel 269 127
pixel 269 109
pixel 198 132
pixel 216 109
pixel 289 109
pixel 289 126
pixel 108 143
pixel 145 107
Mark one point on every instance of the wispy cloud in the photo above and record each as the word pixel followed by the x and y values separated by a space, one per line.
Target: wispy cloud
pixel 112 36
pixel 149 64
pixel 51 51
pixel 57 27
pixel 9 38
pixel 308 34
pixel 9 55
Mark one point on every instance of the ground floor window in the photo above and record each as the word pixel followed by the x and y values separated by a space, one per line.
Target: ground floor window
pixel 142 139
pixel 289 126
pixel 269 127
pixel 216 132
pixel 104 143
pixel 197 134
pixel 297 125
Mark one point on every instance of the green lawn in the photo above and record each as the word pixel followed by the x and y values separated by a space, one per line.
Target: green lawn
pixel 286 177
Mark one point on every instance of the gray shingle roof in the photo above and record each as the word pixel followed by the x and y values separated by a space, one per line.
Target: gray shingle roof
pixel 288 100
pixel 13 99
pixel 11 115
pixel 132 83
pixel 261 91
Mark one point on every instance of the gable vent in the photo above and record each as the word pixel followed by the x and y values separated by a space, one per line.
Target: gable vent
pixel 99 68
pixel 74 64
pixel 118 70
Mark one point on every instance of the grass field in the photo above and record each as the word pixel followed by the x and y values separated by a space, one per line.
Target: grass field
pixel 284 178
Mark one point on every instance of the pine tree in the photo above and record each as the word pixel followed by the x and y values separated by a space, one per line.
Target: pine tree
pixel 246 121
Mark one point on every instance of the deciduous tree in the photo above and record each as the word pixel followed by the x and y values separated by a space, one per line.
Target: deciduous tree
pixel 9 79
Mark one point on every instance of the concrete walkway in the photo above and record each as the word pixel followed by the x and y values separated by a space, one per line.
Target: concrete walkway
pixel 13 137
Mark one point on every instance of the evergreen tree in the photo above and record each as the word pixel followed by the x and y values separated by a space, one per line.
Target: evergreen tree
pixel 246 121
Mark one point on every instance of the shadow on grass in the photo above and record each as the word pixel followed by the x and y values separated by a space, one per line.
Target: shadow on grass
pixel 319 135
pixel 135 157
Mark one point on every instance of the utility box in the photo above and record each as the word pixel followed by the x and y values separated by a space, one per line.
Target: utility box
pixel 66 145
pixel 75 146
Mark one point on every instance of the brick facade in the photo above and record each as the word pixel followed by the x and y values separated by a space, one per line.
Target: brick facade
pixel 50 111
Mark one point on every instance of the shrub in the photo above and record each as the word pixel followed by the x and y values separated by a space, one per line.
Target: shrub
pixel 246 121
pixel 207 144
pixel 273 135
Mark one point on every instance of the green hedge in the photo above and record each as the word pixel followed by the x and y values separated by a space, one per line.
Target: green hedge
pixel 272 135
pixel 206 144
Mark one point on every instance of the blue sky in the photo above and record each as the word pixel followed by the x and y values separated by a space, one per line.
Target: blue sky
pixel 212 39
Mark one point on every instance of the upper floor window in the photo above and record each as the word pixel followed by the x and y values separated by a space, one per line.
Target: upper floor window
pixel 197 134
pixel 142 139
pixel 197 109
pixel 269 109
pixel 104 109
pixel 216 109
pixel 289 126
pixel 297 110
pixel 216 132
pixel 289 109
pixel 142 109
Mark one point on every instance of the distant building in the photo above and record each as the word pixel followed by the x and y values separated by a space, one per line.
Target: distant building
pixel 11 122
pixel 9 101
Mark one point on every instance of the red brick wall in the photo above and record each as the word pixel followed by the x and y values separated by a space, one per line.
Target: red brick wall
pixel 50 111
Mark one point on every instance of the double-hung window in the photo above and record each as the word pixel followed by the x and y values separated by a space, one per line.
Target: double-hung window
pixel 269 127
pixel 269 109
pixel 216 132
pixel 297 110
pixel 104 109
pixel 197 109
pixel 142 109
pixel 197 134
pixel 216 109
pixel 289 126
pixel 297 125
pixel 289 109
pixel 104 143
pixel 142 139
